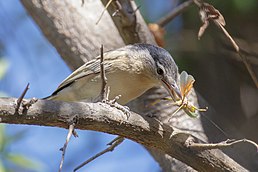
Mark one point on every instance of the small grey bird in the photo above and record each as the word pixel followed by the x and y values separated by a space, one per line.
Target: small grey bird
pixel 130 71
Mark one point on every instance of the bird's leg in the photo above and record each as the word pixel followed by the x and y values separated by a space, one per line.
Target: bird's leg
pixel 124 109
pixel 113 103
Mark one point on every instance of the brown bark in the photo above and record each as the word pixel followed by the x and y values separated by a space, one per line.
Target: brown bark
pixel 72 30
pixel 101 117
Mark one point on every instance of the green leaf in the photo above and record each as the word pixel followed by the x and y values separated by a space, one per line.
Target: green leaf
pixel 24 162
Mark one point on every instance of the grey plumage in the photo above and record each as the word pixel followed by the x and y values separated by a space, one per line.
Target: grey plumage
pixel 160 56
pixel 131 70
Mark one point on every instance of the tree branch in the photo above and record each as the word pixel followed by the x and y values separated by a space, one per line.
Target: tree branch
pixel 101 117
pixel 129 22
pixel 174 13
pixel 71 28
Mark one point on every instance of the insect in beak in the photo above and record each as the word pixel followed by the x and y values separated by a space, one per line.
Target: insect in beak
pixel 186 84
pixel 179 96
pixel 172 87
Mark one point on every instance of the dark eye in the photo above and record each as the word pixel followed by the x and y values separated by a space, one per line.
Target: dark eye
pixel 160 71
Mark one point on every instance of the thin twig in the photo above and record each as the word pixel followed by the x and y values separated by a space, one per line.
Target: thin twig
pixel 207 13
pixel 178 10
pixel 102 13
pixel 113 144
pixel 103 94
pixel 21 98
pixel 244 59
pixel 227 35
pixel 227 143
pixel 114 140
pixel 27 104
pixel 249 68
pixel 63 149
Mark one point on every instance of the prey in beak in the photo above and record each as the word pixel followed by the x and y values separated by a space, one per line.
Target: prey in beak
pixel 186 84
pixel 171 86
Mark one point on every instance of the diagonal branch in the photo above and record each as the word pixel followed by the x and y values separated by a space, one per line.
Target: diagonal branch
pixel 101 117
pixel 63 149
pixel 174 13
pixel 112 145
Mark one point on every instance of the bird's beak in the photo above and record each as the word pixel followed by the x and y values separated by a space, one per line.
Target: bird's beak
pixel 171 86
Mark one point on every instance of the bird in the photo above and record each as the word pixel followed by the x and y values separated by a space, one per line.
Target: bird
pixel 130 71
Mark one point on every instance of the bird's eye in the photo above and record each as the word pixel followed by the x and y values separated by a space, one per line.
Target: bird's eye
pixel 160 71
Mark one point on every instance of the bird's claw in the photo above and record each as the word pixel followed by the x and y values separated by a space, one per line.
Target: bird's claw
pixel 124 109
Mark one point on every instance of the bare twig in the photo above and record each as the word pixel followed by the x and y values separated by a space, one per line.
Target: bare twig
pixel 115 140
pixel 243 58
pixel 19 101
pixel 113 144
pixel 249 68
pixel 157 28
pixel 27 104
pixel 63 149
pixel 228 36
pixel 102 13
pixel 252 56
pixel 224 144
pixel 208 12
pixel 103 93
pixel 178 10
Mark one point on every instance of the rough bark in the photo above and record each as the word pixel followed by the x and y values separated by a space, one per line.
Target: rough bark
pixel 101 117
pixel 72 30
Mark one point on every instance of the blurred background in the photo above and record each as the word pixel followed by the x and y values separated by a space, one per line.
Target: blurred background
pixel 221 79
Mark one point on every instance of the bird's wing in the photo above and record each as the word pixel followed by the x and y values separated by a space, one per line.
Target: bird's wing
pixel 89 68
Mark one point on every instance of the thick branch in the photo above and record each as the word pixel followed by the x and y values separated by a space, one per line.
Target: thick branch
pixel 129 22
pixel 71 28
pixel 101 117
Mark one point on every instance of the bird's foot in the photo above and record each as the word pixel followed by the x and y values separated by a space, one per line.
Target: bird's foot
pixel 113 103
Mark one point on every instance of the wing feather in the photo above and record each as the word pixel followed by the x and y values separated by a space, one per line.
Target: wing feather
pixel 89 68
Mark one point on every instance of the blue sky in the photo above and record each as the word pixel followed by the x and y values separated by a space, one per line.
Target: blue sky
pixel 31 59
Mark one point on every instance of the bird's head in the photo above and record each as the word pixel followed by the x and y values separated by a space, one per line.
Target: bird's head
pixel 161 67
